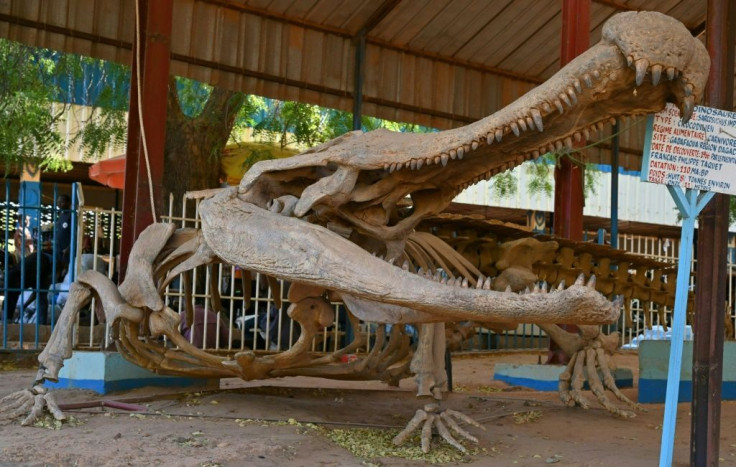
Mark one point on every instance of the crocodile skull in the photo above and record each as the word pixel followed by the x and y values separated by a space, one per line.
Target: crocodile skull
pixel 315 218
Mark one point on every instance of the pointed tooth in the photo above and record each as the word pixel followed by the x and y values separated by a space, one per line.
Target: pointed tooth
pixel 535 154
pixel 564 97
pixel 688 104
pixel 641 70
pixel 429 161
pixel 600 125
pixel 489 139
pixel 545 287
pixel 629 60
pixel 689 88
pixel 577 137
pixel 399 166
pixel 580 280
pixel 536 288
pixel 444 158
pixel 499 134
pixel 671 73
pixel 596 74
pixel 537 116
pixel 460 153
pixel 515 128
pixel 437 160
pixel 558 145
pixel 568 142
pixel 591 281
pixel 526 291
pixel 488 175
pixel 586 134
pixel 561 286
pixel 474 145
pixel 573 96
pixel 508 289
pixel 405 266
pixel 558 104
pixel 550 147
pixel 420 163
pixel 577 85
pixel 420 271
pixel 522 124
pixel 530 123
pixel 588 80
pixel 407 164
pixel 479 282
pixel 487 284
pixel 453 154
pixel 413 164
pixel 465 283
pixel 656 74
pixel 612 120
pixel 546 107
pixel 392 168
pixel 386 166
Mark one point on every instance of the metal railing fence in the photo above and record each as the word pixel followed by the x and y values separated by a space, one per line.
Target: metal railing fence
pixel 255 322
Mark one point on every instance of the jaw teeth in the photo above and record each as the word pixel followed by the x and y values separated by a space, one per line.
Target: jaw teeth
pixel 558 104
pixel 641 69
pixel 656 74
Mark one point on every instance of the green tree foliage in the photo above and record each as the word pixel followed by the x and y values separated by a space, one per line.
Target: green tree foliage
pixel 307 125
pixel 33 86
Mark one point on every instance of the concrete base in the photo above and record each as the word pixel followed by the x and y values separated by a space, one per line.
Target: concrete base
pixel 654 362
pixel 105 372
pixel 546 377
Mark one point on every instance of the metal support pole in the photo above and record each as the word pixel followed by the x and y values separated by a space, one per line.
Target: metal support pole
pixel 155 43
pixel 712 250
pixel 614 185
pixel 358 80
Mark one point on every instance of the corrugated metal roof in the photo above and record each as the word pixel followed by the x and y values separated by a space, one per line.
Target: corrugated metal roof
pixel 440 63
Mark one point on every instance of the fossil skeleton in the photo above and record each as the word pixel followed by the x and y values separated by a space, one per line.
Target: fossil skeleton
pixel 314 220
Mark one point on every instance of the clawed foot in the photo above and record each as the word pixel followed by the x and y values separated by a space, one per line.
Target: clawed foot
pixel 590 360
pixel 430 417
pixel 20 402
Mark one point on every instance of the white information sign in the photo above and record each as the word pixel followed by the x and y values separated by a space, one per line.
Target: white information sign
pixel 700 154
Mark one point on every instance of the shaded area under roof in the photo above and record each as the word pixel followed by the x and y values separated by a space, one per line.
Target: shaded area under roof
pixel 439 63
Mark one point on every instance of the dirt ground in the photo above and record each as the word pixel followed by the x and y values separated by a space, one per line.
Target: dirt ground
pixel 295 422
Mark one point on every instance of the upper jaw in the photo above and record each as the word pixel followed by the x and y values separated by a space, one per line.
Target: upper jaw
pixel 643 61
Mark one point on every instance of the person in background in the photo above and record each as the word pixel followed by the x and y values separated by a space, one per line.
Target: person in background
pixel 63 226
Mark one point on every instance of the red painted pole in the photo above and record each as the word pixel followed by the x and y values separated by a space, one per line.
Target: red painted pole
pixel 155 47
pixel 568 220
pixel 711 275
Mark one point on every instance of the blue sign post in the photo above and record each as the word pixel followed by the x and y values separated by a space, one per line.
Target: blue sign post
pixel 700 157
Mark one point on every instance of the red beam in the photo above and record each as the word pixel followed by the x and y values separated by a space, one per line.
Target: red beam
pixel 155 36
pixel 568 220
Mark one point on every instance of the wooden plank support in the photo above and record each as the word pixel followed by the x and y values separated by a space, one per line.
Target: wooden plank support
pixel 712 250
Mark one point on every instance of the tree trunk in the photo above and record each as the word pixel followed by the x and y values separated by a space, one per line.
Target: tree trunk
pixel 194 144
